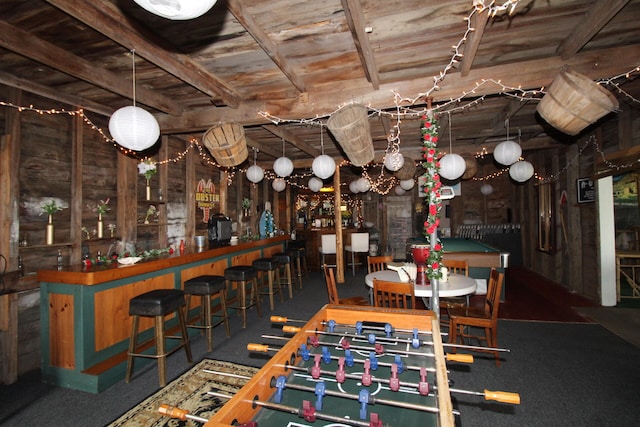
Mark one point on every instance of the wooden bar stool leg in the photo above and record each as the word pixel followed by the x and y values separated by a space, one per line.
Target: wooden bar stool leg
pixel 287 273
pixel 160 349
pixel 277 283
pixel 133 343
pixel 223 307
pixel 299 272
pixel 182 319
pixel 243 302
pixel 206 312
pixel 256 294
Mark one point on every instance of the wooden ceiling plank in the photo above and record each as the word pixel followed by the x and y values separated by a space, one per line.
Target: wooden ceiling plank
pixel 532 74
pixel 478 23
pixel 268 46
pixel 262 148
pixel 105 18
pixel 596 18
pixel 56 95
pixel 357 25
pixel 292 139
pixel 29 46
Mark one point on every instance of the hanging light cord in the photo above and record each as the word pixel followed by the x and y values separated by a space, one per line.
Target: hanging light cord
pixel 133 59
pixel 321 140
pixel 450 138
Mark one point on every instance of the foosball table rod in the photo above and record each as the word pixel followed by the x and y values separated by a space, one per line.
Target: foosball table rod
pixel 181 414
pixel 308 412
pixel 378 349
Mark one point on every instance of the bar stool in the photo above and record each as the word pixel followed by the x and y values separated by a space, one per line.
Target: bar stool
pixel 297 254
pixel 157 304
pixel 208 287
pixel 243 274
pixel 270 267
pixel 284 261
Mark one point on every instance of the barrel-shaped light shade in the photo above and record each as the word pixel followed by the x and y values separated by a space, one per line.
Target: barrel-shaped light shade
pixel 452 166
pixel 323 166
pixel 134 128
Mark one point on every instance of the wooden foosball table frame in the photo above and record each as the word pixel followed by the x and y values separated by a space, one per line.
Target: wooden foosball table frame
pixel 240 409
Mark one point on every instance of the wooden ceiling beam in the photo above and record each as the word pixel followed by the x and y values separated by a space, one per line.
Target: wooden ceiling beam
pixel 358 25
pixel 597 17
pixel 246 20
pixel 292 139
pixel 478 24
pixel 29 46
pixel 108 20
pixel 262 148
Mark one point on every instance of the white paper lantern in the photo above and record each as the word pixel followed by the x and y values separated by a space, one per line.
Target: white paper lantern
pixel 177 9
pixel 507 152
pixel 393 161
pixel 283 166
pixel 486 189
pixel 315 184
pixel 399 190
pixel 407 184
pixel 323 166
pixel 279 184
pixel 255 173
pixel 134 128
pixel 452 166
pixel 363 185
pixel 521 171
pixel 354 187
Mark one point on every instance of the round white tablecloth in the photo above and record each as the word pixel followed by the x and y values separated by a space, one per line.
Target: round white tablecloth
pixel 456 285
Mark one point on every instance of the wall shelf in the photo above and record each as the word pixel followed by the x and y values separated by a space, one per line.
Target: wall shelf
pixel 55 245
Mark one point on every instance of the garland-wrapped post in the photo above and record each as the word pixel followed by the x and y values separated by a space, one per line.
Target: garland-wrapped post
pixel 432 200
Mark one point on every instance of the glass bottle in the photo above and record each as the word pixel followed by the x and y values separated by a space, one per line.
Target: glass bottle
pixel 20 266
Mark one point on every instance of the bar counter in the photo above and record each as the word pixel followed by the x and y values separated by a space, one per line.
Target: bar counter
pixel 84 311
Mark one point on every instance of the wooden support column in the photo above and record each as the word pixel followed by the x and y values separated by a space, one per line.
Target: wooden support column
pixel 10 182
pixel 75 204
pixel 339 242
pixel 223 188
pixel 275 208
pixel 290 207
pixel 163 179
pixel 9 338
pixel 127 197
pixel 190 199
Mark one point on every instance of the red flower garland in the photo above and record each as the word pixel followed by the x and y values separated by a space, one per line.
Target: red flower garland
pixel 432 190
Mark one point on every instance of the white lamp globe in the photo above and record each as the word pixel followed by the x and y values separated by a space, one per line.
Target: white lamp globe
pixel 315 184
pixel 399 190
pixel 363 185
pixel 486 189
pixel 354 187
pixel 283 166
pixel 323 166
pixel 507 152
pixel 177 9
pixel 452 166
pixel 255 173
pixel 134 128
pixel 521 171
pixel 407 184
pixel 279 184
pixel 393 161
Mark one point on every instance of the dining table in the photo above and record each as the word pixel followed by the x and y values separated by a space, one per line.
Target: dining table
pixel 456 285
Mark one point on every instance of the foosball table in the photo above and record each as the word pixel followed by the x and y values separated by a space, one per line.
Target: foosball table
pixel 349 366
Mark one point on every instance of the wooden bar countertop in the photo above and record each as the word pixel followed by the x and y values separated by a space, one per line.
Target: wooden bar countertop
pixel 96 274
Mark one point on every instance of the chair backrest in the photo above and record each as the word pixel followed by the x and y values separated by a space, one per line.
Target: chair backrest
pixel 360 242
pixel 378 263
pixel 393 294
pixel 494 288
pixel 328 243
pixel 330 280
pixel 457 266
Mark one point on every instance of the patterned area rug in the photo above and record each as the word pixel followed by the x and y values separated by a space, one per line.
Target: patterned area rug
pixel 189 392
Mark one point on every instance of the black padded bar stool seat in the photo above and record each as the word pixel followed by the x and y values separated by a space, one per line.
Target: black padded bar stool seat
pixel 243 274
pixel 157 304
pixel 285 263
pixel 271 267
pixel 208 287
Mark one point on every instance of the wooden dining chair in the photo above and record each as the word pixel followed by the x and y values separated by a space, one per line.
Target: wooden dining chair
pixel 393 294
pixel 378 263
pixel 463 319
pixel 457 267
pixel 332 290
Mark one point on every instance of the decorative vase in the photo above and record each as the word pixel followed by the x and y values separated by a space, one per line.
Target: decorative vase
pixel 49 236
pixel 148 190
pixel 100 226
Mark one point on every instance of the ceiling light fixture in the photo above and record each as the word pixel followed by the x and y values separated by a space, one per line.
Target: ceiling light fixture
pixel 133 127
pixel 255 173
pixel 279 184
pixel 283 166
pixel 507 152
pixel 177 10
pixel 521 171
pixel 452 166
pixel 323 166
pixel 315 184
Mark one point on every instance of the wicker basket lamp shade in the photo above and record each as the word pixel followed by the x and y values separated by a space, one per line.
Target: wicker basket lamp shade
pixel 350 126
pixel 226 143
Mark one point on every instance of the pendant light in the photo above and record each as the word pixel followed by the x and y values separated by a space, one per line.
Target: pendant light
pixel 354 187
pixel 283 166
pixel 452 166
pixel 133 127
pixel 177 9
pixel 255 172
pixel 323 166
pixel 507 152
pixel 279 184
pixel 315 184
pixel 486 189
pixel 521 171
pixel 407 184
pixel 364 185
pixel 393 161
